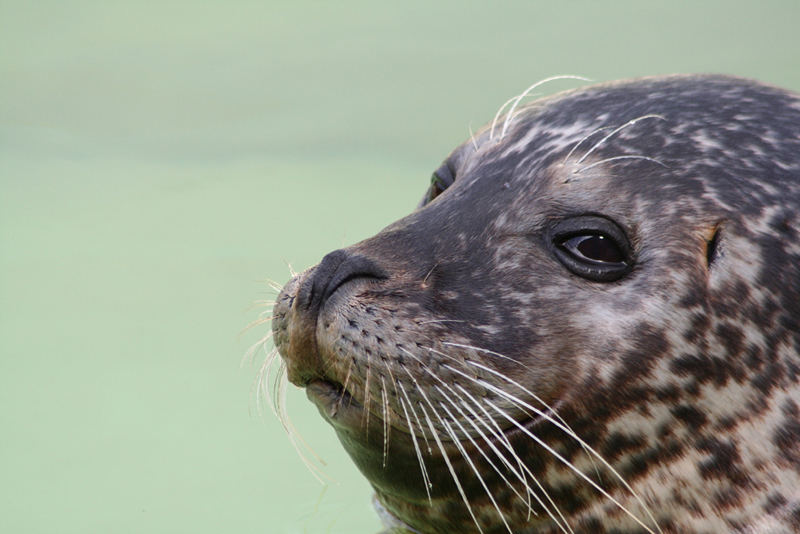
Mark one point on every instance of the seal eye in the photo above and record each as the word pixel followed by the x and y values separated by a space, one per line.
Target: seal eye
pixel 592 247
pixel 441 180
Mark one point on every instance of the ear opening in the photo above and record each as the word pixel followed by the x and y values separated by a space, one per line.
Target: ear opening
pixel 712 246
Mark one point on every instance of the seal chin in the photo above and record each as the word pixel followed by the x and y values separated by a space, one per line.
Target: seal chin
pixel 335 403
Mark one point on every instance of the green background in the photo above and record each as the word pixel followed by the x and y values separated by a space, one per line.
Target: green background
pixel 160 160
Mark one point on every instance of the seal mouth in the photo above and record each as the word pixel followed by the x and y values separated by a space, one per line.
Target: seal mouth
pixel 335 403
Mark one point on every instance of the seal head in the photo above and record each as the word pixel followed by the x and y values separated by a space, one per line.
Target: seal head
pixel 591 323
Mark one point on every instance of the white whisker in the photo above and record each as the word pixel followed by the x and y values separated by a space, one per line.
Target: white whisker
pixel 475 470
pixel 365 418
pixel 528 490
pixel 497 116
pixel 386 425
pixel 425 479
pixel 498 433
pixel 295 438
pixel 416 417
pixel 344 387
pixel 250 355
pixel 504 377
pixel 616 131
pixel 567 463
pixel 445 457
pixel 510 447
pixel 564 428
pixel 440 321
pixel 522 95
pixel 580 142
pixel 607 160
pixel 559 424
pixel 479 349
pixel 472 138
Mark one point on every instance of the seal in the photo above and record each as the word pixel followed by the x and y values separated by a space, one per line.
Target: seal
pixel 591 323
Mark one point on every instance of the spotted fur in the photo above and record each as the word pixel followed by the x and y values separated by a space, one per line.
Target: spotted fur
pixel 481 386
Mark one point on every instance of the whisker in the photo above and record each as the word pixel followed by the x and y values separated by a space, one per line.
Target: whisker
pixel 365 419
pixel 425 479
pixel 275 286
pixel 295 438
pixel 416 417
pixel 444 454
pixel 607 160
pixel 435 435
pixel 258 322
pixel 498 435
pixel 616 131
pixel 581 140
pixel 344 387
pixel 500 455
pixel 568 464
pixel 533 395
pixel 385 422
pixel 472 137
pixel 261 303
pixel 291 269
pixel 479 349
pixel 510 447
pixel 559 424
pixel 250 355
pixel 498 432
pixel 528 90
pixel 437 321
pixel 567 430
pixel 491 445
pixel 497 116
pixel 425 280
pixel 466 456
pixel 262 379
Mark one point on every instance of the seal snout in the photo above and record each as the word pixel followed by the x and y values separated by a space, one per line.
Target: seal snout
pixel 300 304
pixel 335 270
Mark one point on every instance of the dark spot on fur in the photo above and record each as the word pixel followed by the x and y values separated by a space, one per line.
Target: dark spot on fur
pixel 639 463
pixel 769 378
pixel 786 436
pixel 731 337
pixel 617 444
pixel 700 324
pixel 794 518
pixel 693 418
pixel 774 502
pixel 724 461
pixel 754 357
pixel 638 363
pixel 592 524
pixel 705 368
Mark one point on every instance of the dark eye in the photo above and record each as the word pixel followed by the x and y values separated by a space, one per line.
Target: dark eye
pixel 441 180
pixel 592 247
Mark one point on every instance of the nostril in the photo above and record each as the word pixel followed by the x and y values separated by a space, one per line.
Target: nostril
pixel 335 270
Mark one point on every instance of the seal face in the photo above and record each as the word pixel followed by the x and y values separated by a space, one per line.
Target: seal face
pixel 590 324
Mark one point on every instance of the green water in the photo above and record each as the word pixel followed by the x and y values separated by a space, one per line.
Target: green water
pixel 158 162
